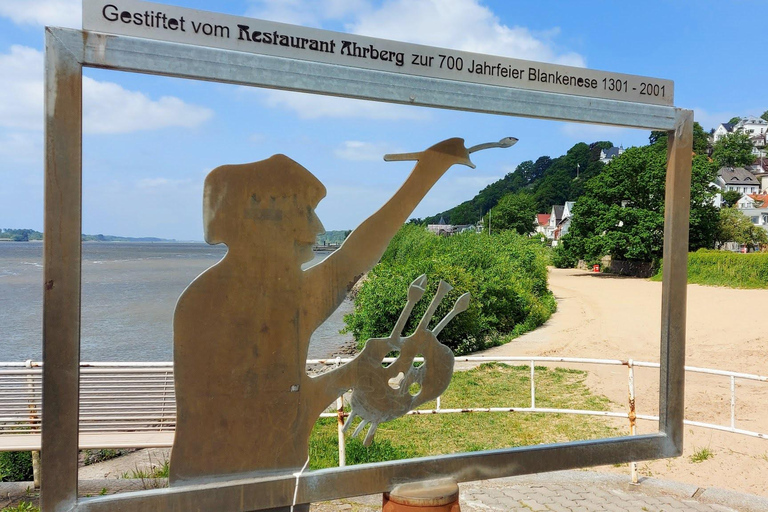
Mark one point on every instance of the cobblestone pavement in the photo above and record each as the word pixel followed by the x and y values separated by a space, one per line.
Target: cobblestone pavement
pixel 564 491
pixel 579 491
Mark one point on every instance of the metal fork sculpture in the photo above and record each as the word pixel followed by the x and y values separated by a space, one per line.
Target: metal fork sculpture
pixel 385 392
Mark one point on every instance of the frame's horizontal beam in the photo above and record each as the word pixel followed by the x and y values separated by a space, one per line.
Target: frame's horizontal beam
pixel 197 62
pixel 314 486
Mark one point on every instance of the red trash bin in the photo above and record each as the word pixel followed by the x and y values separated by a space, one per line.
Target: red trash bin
pixel 595 268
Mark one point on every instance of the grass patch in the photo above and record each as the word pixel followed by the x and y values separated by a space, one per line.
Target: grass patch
pixel 725 268
pixel 701 454
pixel 24 506
pixel 153 477
pixel 489 385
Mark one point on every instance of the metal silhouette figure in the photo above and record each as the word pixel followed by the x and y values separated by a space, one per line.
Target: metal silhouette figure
pixel 245 404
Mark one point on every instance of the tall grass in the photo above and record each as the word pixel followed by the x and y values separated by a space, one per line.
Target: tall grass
pixel 725 268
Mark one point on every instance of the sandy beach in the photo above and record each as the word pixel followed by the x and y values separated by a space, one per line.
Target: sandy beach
pixel 604 316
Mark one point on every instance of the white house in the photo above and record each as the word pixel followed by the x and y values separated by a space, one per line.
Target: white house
pixel 755 127
pixel 738 179
pixel 606 155
pixel 542 225
pixel 565 222
pixel 745 202
pixel 722 130
pixel 752 125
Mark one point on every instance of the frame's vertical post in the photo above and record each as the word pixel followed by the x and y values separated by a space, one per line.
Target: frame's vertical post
pixel 674 287
pixel 61 254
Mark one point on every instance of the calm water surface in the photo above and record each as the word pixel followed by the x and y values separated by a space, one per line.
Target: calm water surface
pixel 129 293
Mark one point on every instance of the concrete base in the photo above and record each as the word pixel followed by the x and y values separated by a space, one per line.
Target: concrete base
pixel 436 496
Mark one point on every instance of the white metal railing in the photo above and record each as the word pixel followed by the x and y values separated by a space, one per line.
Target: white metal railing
pixel 132 405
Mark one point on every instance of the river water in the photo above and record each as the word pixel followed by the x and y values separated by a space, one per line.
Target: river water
pixel 129 292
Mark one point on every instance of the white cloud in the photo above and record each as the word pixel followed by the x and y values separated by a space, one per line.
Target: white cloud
pixel 21 102
pixel 302 12
pixel 461 25
pixel 107 107
pixel 21 147
pixel 161 184
pixel 312 106
pixel 358 151
pixel 60 13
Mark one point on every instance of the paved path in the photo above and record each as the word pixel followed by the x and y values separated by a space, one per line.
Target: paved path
pixel 579 491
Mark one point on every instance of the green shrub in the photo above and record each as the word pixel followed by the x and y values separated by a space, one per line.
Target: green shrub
pixel 505 273
pixel 562 258
pixel 725 268
pixel 15 466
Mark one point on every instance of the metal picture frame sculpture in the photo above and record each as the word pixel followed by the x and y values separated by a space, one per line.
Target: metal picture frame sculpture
pixel 69 51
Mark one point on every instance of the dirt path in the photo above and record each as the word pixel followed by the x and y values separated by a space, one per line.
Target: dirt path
pixel 602 316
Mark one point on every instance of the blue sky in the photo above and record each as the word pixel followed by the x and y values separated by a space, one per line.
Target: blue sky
pixel 151 140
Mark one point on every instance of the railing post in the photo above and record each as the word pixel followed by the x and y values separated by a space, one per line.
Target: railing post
pixel 33 421
pixel 340 427
pixel 733 401
pixel 632 415
pixel 533 387
pixel 165 397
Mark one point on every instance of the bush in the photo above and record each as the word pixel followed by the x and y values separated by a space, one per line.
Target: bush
pixel 725 268
pixel 561 258
pixel 505 273
pixel 15 466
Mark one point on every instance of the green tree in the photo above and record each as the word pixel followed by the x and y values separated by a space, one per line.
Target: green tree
pixel 700 139
pixel 734 226
pixel 765 115
pixel 734 120
pixel 622 210
pixel 731 197
pixel 733 150
pixel 515 212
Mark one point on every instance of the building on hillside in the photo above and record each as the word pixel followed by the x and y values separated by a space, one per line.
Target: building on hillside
pixel 755 127
pixel 555 216
pixel 752 125
pixel 721 131
pixel 464 228
pixel 606 155
pixel 442 228
pixel 738 179
pixel 558 223
pixel 565 222
pixel 542 225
